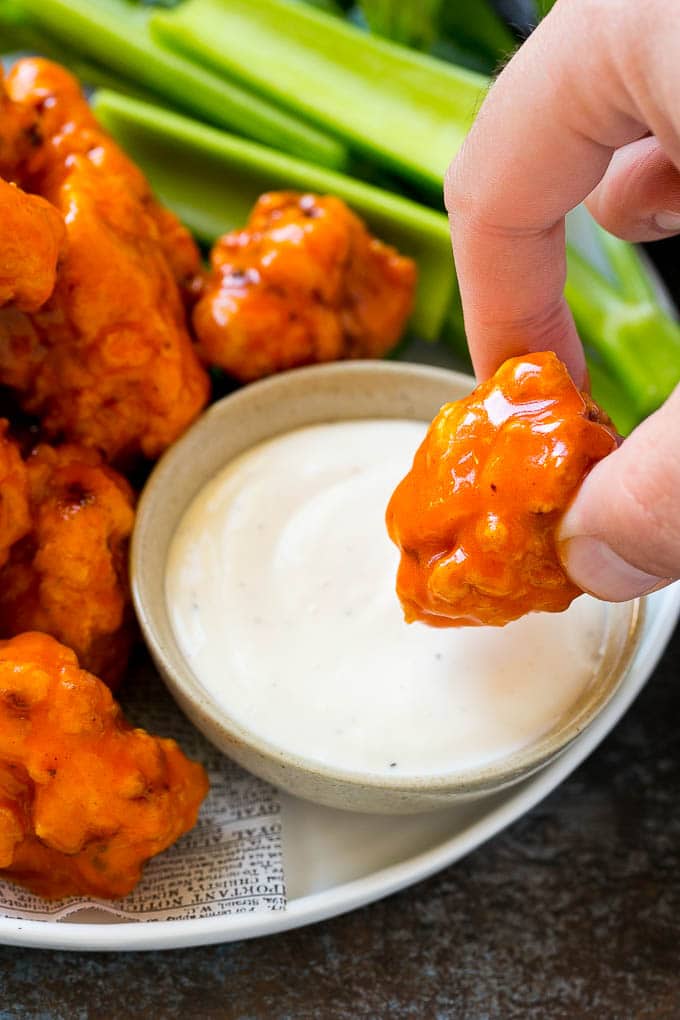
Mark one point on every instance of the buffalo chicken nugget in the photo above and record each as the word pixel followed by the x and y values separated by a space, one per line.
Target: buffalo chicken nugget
pixel 31 239
pixel 68 577
pixel 20 136
pixel 303 282
pixel 475 518
pixel 107 361
pixel 62 125
pixel 15 518
pixel 85 799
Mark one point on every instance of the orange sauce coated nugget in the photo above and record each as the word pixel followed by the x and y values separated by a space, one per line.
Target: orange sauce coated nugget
pixel 85 799
pixel 475 518
pixel 69 576
pixel 20 137
pixel 15 519
pixel 31 238
pixel 107 361
pixel 303 282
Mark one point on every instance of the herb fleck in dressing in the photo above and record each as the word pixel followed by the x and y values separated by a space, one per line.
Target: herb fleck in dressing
pixel 280 586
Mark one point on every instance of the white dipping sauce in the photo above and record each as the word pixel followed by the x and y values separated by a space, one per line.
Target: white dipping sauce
pixel 281 588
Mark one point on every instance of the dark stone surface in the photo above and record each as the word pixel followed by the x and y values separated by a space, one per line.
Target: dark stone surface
pixel 573 912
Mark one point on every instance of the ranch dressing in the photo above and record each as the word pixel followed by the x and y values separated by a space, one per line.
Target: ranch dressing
pixel 281 589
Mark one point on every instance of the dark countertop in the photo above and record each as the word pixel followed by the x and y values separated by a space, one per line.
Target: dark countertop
pixel 573 912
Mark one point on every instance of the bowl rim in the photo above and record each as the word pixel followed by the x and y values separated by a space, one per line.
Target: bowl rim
pixel 196 701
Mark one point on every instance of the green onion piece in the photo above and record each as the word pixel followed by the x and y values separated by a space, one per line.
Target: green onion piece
pixel 115 33
pixel 212 179
pixel 408 111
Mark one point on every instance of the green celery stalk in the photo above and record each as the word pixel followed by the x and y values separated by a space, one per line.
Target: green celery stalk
pixel 637 342
pixel 624 259
pixel 407 110
pixel 411 24
pixel 115 33
pixel 19 37
pixel 609 395
pixel 324 5
pixel 473 26
pixel 476 26
pixel 212 179
pixel 470 34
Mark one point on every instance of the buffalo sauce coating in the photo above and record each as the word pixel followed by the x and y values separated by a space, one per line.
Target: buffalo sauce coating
pixel 106 361
pixel 475 517
pixel 85 799
pixel 31 242
pixel 68 576
pixel 303 282
pixel 15 518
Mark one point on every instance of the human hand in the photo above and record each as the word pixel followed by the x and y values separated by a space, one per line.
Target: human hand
pixel 587 109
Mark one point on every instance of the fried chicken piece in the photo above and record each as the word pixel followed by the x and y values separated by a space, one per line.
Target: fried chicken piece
pixel 15 518
pixel 304 282
pixel 62 126
pixel 85 799
pixel 31 240
pixel 475 518
pixel 19 136
pixel 68 577
pixel 107 361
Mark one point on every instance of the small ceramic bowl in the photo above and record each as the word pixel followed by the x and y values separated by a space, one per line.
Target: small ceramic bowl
pixel 345 391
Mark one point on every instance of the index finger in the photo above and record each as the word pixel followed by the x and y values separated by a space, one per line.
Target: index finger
pixel 595 75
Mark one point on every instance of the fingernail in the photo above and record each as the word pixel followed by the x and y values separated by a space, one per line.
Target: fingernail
pixel 668 221
pixel 600 571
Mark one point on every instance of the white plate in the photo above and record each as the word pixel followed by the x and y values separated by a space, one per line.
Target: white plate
pixel 337 861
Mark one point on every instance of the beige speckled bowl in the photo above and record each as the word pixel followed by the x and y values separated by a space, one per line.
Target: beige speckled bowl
pixel 349 390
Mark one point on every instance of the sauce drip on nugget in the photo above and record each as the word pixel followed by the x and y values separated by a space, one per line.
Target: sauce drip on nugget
pixel 303 282
pixel 85 799
pixel 476 516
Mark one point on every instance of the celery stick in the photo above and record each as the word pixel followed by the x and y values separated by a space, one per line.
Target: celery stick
pixel 609 395
pixel 409 111
pixel 116 34
pixel 324 5
pixel 469 34
pixel 212 179
pixel 624 259
pixel 22 38
pixel 476 26
pixel 411 24
pixel 638 343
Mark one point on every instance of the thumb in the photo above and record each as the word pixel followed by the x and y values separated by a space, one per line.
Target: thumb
pixel 620 538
